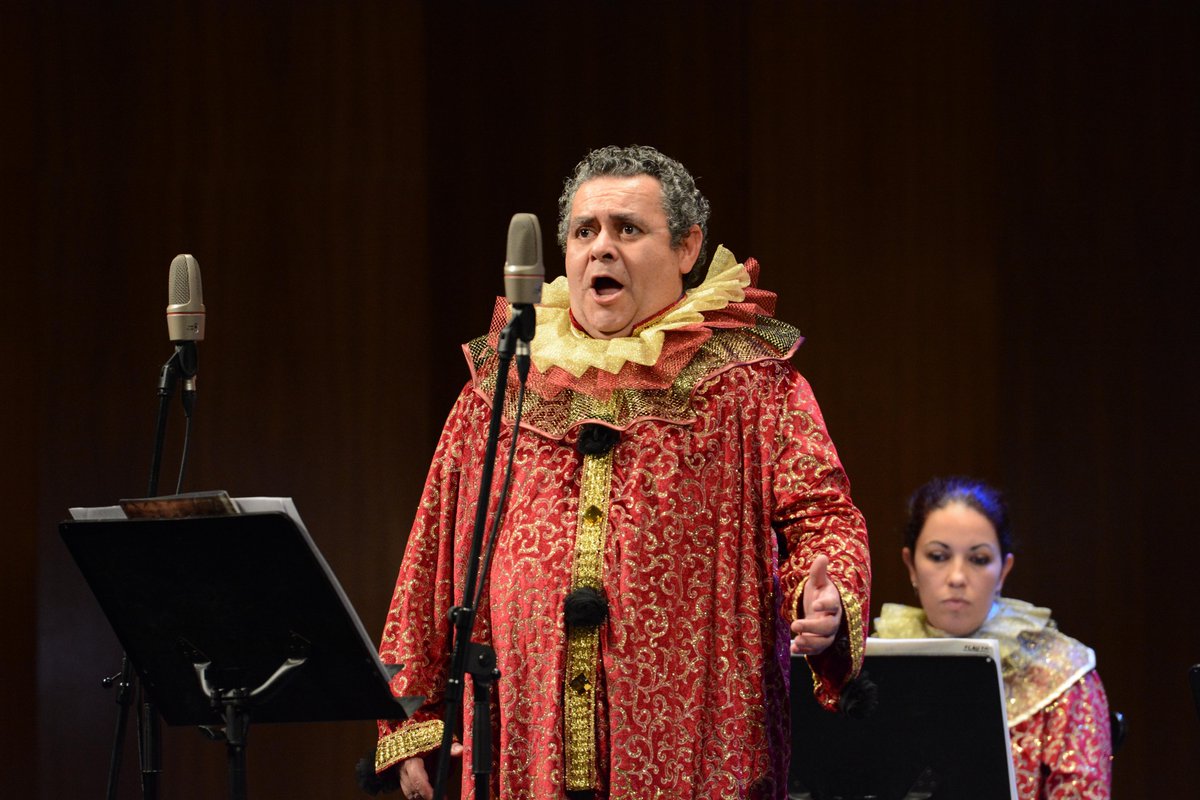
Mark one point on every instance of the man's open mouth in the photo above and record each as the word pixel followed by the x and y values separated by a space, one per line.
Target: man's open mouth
pixel 605 286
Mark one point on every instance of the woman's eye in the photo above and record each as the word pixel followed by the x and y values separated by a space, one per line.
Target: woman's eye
pixel 936 556
pixel 981 561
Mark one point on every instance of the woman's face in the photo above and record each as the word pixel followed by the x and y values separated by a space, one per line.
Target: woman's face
pixel 956 568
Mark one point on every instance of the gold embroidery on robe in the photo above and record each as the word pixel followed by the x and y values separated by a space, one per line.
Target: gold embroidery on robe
pixel 408 741
pixel 583 643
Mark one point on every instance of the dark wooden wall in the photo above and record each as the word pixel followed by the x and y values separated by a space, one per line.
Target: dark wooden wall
pixel 981 214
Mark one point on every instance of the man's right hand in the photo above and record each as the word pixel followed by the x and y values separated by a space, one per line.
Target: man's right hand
pixel 414 779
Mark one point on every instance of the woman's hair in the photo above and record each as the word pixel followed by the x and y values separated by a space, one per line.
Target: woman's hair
pixel 941 492
pixel 683 203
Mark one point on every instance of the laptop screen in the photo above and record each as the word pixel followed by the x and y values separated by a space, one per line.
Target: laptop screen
pixel 938 729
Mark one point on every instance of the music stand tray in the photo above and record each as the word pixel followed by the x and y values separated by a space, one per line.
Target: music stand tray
pixel 245 594
pixel 938 732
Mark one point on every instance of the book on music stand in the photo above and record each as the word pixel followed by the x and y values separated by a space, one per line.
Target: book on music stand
pixel 938 731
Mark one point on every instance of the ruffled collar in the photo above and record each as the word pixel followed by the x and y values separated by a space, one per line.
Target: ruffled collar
pixel 1037 661
pixel 559 343
pixel 724 322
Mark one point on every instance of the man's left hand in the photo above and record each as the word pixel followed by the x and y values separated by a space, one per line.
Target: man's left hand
pixel 822 606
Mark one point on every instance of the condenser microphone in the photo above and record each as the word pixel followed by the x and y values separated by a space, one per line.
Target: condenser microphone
pixel 523 269
pixel 185 298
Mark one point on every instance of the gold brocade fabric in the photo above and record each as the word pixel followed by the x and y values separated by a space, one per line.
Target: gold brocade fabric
pixel 1065 749
pixel 583 644
pixel 554 416
pixel 722 454
pixel 1037 661
pixel 399 745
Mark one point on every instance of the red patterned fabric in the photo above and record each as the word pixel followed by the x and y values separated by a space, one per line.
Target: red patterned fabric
pixel 1065 750
pixel 691 698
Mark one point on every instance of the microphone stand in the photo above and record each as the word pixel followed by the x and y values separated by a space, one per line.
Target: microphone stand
pixel 183 363
pixel 471 657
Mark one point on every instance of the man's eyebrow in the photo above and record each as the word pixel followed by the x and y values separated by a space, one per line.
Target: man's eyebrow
pixel 620 217
pixel 630 216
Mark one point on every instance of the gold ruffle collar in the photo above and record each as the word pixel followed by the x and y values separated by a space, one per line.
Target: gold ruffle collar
pixel 560 344
pixel 724 322
pixel 1037 661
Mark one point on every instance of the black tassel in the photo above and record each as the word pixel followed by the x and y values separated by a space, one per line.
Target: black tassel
pixel 596 440
pixel 374 783
pixel 860 697
pixel 585 607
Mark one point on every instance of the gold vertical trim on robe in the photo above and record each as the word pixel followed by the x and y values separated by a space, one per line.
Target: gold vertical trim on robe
pixel 583 643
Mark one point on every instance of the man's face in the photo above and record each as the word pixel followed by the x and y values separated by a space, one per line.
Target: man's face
pixel 621 267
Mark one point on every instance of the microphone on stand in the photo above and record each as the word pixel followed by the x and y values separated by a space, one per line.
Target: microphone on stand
pixel 185 314
pixel 185 325
pixel 524 272
pixel 523 277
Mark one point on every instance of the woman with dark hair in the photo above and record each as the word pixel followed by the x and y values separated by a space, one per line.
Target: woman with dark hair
pixel 958 551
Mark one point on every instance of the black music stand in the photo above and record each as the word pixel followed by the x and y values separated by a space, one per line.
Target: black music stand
pixel 228 619
pixel 939 731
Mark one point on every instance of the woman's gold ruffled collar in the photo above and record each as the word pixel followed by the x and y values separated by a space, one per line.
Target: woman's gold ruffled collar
pixel 560 344
pixel 1006 620
pixel 1037 661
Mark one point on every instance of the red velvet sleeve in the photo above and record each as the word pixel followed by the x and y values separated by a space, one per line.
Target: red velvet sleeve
pixel 814 512
pixel 1072 739
pixel 415 634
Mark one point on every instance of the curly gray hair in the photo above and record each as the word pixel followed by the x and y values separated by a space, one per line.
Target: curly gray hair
pixel 683 203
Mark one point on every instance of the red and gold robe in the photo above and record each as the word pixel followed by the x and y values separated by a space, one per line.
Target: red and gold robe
pixel 682 691
pixel 1056 706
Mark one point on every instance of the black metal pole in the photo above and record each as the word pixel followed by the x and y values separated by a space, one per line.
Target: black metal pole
pixel 124 683
pixel 520 328
pixel 149 724
pixel 237 724
pixel 149 727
